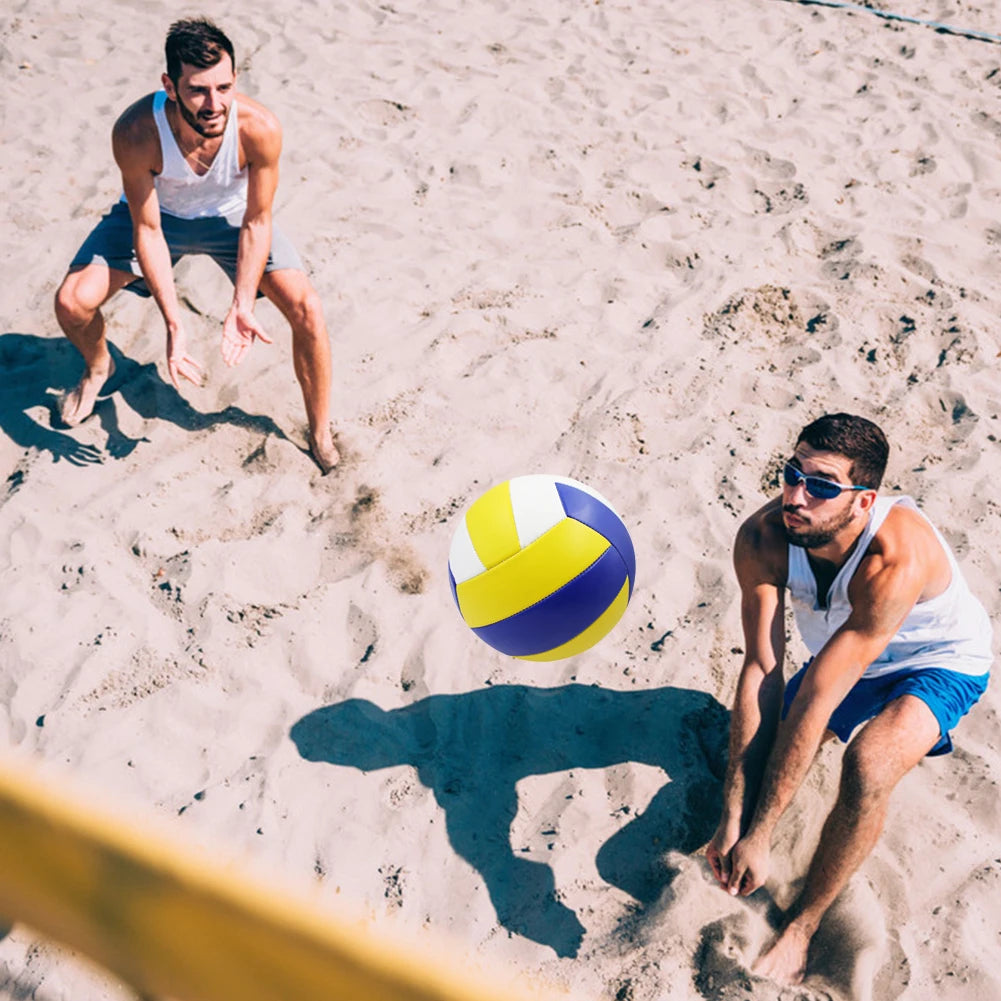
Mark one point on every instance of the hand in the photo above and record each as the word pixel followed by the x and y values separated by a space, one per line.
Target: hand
pixel 718 852
pixel 239 331
pixel 179 363
pixel 748 864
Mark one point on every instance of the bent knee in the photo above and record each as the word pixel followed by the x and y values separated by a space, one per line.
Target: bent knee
pixel 868 772
pixel 305 314
pixel 889 746
pixel 67 300
pixel 79 295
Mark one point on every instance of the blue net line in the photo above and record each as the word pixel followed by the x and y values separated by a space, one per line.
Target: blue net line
pixel 947 29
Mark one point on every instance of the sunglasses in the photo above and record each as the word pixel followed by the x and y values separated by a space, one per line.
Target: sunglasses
pixel 816 486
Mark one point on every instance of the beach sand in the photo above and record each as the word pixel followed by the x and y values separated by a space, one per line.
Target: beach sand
pixel 638 244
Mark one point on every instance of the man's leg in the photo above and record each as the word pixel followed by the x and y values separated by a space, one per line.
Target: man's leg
pixel 293 293
pixel 78 311
pixel 886 748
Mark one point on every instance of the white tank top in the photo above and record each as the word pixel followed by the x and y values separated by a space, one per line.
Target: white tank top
pixel 222 191
pixel 951 630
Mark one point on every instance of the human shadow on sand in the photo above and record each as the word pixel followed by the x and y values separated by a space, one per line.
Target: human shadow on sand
pixel 471 749
pixel 30 365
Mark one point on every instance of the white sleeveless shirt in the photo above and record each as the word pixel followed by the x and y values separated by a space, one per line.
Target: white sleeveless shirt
pixel 221 191
pixel 951 630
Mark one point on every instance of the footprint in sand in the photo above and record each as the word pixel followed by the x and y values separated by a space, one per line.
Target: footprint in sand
pixel 723 958
pixel 363 632
pixel 727 948
pixel 855 952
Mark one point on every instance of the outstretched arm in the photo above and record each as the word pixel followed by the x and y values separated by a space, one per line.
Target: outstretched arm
pixel 882 593
pixel 131 141
pixel 262 141
pixel 759 560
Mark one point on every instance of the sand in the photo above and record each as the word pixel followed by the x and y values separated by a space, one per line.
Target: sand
pixel 637 244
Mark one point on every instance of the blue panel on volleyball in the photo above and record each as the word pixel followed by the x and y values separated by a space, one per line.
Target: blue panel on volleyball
pixel 560 617
pixel 581 506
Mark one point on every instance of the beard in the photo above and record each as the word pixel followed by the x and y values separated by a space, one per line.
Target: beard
pixel 817 535
pixel 198 124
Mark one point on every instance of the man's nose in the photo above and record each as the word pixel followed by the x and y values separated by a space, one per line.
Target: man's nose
pixel 797 494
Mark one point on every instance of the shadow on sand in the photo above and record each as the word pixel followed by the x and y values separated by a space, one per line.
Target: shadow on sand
pixel 30 365
pixel 471 749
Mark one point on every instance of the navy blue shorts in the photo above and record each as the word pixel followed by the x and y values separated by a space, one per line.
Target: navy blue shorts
pixel 948 694
pixel 110 243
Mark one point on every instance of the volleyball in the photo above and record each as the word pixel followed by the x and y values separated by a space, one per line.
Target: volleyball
pixel 541 567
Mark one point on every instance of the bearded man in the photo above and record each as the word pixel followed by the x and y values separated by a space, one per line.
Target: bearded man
pixel 901 649
pixel 199 166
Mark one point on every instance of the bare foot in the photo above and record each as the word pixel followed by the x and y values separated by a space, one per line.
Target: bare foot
pixel 78 405
pixel 323 451
pixel 785 961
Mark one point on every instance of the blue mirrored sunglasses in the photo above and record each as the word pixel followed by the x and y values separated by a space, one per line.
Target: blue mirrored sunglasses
pixel 816 486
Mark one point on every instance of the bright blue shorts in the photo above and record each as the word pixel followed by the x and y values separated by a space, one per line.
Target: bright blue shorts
pixel 948 694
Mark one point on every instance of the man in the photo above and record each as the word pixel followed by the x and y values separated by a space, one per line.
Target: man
pixel 899 647
pixel 199 167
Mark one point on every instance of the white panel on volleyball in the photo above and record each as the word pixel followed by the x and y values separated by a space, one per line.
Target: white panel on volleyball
pixel 462 558
pixel 537 506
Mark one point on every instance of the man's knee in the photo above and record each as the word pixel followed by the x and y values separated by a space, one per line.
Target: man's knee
pixel 69 304
pixel 293 293
pixel 887 748
pixel 81 293
pixel 306 313
pixel 864 776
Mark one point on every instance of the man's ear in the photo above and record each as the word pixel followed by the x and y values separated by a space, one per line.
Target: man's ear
pixel 866 499
pixel 168 86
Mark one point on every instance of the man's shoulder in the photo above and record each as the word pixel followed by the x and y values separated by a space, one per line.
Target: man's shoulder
pixel 761 548
pixel 904 529
pixel 763 529
pixel 905 540
pixel 135 140
pixel 258 125
pixel 135 125
pixel 906 548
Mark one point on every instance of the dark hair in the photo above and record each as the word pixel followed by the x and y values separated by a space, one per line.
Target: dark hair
pixel 856 439
pixel 197 42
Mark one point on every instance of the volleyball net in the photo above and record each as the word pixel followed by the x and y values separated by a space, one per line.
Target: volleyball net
pixel 172 923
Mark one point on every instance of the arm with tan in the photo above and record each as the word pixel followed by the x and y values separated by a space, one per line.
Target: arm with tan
pixel 903 565
pixel 136 149
pixel 261 142
pixel 759 561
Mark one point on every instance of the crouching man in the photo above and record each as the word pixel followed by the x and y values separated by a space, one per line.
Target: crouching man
pixel 900 650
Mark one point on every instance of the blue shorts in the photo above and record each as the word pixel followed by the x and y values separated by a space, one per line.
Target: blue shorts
pixel 948 694
pixel 110 243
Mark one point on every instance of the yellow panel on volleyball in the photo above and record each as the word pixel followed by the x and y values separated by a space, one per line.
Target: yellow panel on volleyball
pixel 531 574
pixel 594 632
pixel 491 526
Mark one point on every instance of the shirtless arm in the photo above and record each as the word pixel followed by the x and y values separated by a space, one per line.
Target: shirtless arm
pixel 262 142
pixel 133 143
pixel 885 588
pixel 759 564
